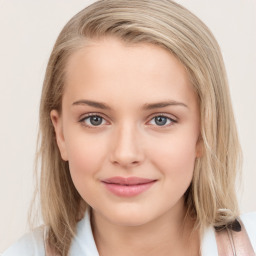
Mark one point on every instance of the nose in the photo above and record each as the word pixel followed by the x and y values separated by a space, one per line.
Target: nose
pixel 127 150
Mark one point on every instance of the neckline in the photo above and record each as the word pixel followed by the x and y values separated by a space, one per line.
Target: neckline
pixel 84 243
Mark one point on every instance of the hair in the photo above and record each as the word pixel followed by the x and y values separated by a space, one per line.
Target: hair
pixel 211 197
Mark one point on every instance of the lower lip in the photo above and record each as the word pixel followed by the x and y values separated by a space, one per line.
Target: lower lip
pixel 128 191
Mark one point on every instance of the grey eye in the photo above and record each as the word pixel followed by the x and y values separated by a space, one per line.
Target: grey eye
pixel 160 120
pixel 93 120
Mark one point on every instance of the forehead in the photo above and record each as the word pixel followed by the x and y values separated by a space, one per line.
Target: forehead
pixel 110 65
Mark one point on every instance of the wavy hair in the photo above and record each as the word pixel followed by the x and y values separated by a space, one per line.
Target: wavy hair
pixel 211 197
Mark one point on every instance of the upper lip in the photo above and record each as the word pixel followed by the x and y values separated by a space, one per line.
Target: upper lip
pixel 127 180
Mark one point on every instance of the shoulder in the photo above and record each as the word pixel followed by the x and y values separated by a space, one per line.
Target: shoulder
pixel 249 222
pixel 209 245
pixel 31 244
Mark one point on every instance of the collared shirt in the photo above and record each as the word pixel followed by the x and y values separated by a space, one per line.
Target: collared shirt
pixel 83 244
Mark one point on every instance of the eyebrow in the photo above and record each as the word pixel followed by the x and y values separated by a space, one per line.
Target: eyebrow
pixel 92 104
pixel 146 106
pixel 149 106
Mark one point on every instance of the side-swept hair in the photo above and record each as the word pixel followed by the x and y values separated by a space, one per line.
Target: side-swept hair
pixel 211 197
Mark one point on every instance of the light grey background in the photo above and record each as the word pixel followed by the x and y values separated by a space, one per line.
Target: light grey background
pixel 28 30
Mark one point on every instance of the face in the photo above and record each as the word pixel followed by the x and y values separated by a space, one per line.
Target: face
pixel 129 129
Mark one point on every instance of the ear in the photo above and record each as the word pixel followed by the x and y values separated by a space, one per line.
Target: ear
pixel 58 127
pixel 199 147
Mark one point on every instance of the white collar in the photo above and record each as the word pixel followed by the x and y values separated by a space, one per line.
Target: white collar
pixel 208 243
pixel 84 244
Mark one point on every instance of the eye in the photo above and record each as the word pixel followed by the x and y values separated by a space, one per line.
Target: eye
pixel 93 120
pixel 162 120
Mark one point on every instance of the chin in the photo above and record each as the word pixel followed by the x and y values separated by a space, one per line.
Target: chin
pixel 129 221
pixel 130 217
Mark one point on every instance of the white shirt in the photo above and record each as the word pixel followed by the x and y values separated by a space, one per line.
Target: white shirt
pixel 83 244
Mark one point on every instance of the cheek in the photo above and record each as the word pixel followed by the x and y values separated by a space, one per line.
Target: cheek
pixel 175 157
pixel 86 156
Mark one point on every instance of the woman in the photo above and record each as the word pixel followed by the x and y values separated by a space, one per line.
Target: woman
pixel 139 149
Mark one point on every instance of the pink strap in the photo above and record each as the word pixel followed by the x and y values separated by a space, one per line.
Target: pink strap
pixel 233 243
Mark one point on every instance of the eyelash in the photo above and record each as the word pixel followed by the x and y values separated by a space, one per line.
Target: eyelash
pixel 88 116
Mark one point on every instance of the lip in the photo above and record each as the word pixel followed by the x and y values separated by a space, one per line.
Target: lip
pixel 127 186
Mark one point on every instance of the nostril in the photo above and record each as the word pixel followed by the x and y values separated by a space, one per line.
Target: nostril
pixel 125 150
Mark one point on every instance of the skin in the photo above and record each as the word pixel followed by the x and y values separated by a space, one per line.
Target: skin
pixel 130 142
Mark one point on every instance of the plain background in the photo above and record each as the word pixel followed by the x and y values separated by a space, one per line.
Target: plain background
pixel 28 30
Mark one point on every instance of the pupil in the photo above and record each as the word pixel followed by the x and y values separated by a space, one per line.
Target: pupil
pixel 96 120
pixel 160 120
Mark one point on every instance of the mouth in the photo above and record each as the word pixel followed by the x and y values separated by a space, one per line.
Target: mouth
pixel 128 187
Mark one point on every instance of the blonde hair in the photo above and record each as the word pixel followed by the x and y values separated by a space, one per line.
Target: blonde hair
pixel 211 197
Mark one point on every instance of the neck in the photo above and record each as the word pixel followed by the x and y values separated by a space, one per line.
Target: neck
pixel 169 234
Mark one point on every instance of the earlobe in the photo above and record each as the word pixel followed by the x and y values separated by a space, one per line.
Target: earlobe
pixel 58 127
